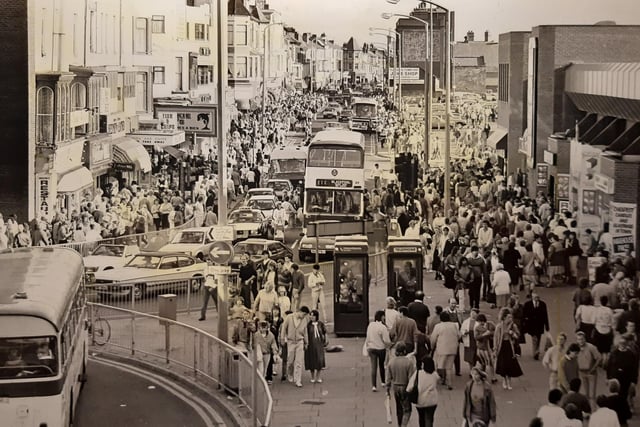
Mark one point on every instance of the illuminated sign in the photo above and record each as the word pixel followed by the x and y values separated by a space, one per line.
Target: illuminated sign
pixel 339 183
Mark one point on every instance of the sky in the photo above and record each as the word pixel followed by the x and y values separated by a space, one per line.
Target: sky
pixel 341 19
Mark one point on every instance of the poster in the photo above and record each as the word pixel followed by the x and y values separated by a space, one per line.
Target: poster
pixel 414 46
pixel 543 175
pixel 563 186
pixel 623 226
pixel 589 202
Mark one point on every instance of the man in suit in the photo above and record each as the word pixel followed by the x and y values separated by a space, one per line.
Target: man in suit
pixel 419 312
pixel 535 321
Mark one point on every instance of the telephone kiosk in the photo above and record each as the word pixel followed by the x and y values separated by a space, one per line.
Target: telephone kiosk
pixel 351 285
pixel 404 266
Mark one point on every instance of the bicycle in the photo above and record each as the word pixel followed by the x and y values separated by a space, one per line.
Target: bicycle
pixel 100 331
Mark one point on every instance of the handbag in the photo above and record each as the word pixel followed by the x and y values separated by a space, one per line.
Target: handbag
pixel 412 394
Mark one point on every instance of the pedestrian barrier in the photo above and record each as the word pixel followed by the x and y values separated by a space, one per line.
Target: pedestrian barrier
pixel 150 241
pixel 143 297
pixel 184 351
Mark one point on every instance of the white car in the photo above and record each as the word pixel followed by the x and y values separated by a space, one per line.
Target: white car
pixel 108 257
pixel 280 186
pixel 248 223
pixel 151 272
pixel 193 241
pixel 262 191
pixel 266 204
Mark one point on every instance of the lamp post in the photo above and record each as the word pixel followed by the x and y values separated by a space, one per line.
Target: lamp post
pixel 264 76
pixel 447 144
pixel 427 59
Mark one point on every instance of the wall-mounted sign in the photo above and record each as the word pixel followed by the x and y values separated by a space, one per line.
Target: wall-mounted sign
pixel 603 183
pixel 563 186
pixel 623 226
pixel 43 195
pixel 549 157
pixel 123 167
pixel 589 205
pixel 192 119
pixel 407 74
pixel 100 152
pixel 543 175
pixel 159 138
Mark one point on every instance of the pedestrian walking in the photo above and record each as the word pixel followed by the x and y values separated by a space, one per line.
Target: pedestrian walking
pixel 467 333
pixel 483 334
pixel 603 329
pixel 623 366
pixel 504 340
pixel 314 360
pixel 297 285
pixel 445 339
pixel 376 345
pixel 265 301
pixel 588 362
pixel 427 402
pixel 479 400
pixel 603 416
pixel 535 322
pixel 500 285
pixel 568 368
pixel 577 399
pixel 551 359
pixel 294 334
pixel 266 348
pixel 316 283
pixel 210 291
pixel 552 413
pixel 399 371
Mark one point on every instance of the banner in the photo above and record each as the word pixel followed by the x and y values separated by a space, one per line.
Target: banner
pixel 623 226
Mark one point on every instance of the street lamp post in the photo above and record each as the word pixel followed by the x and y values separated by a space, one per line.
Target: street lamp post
pixel 264 76
pixel 427 60
pixel 447 145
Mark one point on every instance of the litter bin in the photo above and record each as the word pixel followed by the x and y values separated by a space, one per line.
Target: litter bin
pixel 167 307
pixel 230 373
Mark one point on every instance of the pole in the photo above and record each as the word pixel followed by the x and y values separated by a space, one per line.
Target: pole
pixel 430 74
pixel 221 111
pixel 264 80
pixel 254 387
pixel 447 142
pixel 400 76
pixel 427 110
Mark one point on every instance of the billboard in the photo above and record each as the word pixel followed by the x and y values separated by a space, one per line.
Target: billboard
pixel 414 45
pixel 198 119
pixel 623 226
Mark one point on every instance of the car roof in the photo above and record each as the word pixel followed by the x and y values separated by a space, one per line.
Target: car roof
pixel 257 241
pixel 278 180
pixel 162 254
pixel 203 229
pixel 262 197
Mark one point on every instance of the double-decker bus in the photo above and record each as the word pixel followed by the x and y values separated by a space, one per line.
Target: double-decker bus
pixel 43 336
pixel 289 163
pixel 365 114
pixel 334 178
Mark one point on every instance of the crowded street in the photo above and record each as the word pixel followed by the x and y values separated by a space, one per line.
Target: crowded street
pixel 239 213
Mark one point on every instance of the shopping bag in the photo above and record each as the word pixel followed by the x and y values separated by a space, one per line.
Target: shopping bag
pixel 365 353
pixel 387 405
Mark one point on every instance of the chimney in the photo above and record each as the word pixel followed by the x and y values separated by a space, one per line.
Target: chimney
pixel 486 35
pixel 470 36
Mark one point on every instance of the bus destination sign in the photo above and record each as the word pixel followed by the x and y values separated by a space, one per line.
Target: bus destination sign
pixel 339 183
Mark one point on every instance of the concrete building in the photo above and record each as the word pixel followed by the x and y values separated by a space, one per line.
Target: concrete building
pixel 475 64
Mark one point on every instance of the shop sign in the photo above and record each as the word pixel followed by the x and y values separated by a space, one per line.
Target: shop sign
pixel 603 183
pixel 43 195
pixel 407 74
pixel 160 138
pixel 189 118
pixel 549 157
pixel 68 157
pixel 543 175
pixel 589 205
pixel 123 167
pixel 564 206
pixel 100 152
pixel 623 226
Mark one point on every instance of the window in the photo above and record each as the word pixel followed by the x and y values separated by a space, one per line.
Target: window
pixel 205 74
pixel 140 36
pixel 240 67
pixel 328 157
pixel 201 32
pixel 142 103
pixel 191 3
pixel 230 39
pixel 503 82
pixel 93 32
pixel 351 280
pixel 158 75
pixel 157 24
pixel 120 92
pixel 335 202
pixel 169 263
pixel 178 85
pixel 44 115
pixel 78 97
pixel 240 36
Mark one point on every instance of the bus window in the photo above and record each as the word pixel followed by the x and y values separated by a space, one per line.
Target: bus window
pixel 28 357
pixel 320 201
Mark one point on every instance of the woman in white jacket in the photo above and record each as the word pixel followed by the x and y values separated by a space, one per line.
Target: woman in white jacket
pixel 427 392
pixel 445 339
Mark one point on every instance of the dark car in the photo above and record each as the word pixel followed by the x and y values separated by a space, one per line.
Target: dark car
pixel 346 115
pixel 254 247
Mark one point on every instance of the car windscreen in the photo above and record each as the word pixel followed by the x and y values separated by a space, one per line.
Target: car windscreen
pixel 244 217
pixel 262 204
pixel 144 261
pixel 28 357
pixel 278 185
pixel 250 248
pixel 108 250
pixel 189 237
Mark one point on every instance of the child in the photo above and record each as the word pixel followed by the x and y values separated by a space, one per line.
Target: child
pixel 283 300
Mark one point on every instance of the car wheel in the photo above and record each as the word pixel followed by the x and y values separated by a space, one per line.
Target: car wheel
pixel 139 290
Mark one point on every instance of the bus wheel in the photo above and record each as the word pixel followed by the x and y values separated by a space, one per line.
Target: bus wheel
pixel 138 290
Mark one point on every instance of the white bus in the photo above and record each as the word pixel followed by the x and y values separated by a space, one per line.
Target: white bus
pixel 335 177
pixel 43 336
pixel 365 114
pixel 289 163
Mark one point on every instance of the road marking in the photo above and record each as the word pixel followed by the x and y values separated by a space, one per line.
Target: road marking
pixel 202 408
pixel 295 244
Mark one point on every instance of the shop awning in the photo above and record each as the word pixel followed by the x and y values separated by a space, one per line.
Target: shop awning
pixel 75 180
pixel 498 139
pixel 128 150
pixel 173 151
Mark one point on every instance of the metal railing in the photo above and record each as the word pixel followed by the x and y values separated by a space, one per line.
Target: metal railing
pixel 150 241
pixel 185 351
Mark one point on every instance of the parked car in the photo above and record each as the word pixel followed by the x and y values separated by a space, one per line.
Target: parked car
pixel 248 223
pixel 280 186
pixel 107 257
pixel 262 191
pixel 330 113
pixel 194 241
pixel 151 272
pixel 254 247
pixel 336 106
pixel 266 204
pixel 307 248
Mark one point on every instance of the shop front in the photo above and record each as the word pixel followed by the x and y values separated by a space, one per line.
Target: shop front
pixel 73 181
pixel 98 158
pixel 131 163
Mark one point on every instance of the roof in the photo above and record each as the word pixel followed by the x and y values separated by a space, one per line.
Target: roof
pixel 259 14
pixel 475 61
pixel 238 8
pixel 340 136
pixel 48 276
